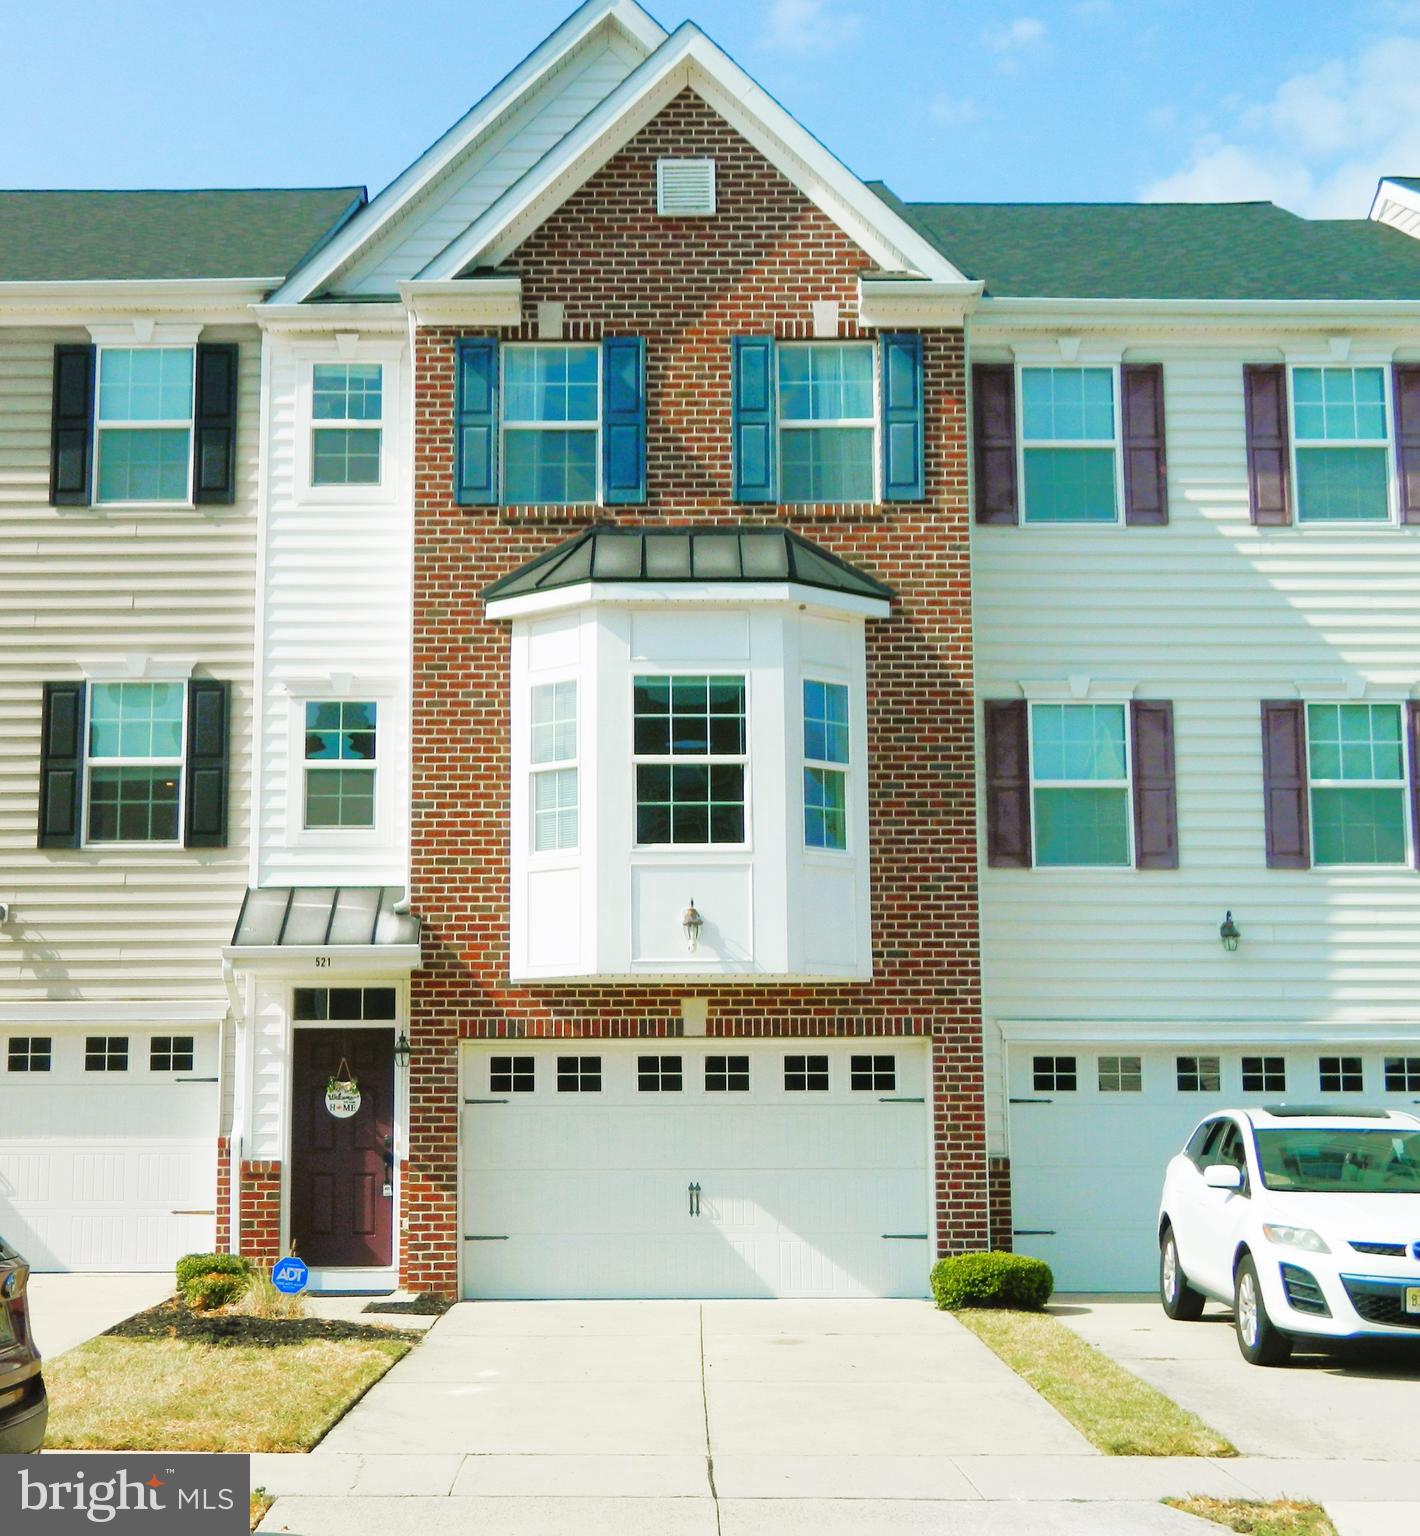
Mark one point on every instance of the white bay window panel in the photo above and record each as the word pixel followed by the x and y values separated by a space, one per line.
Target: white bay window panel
pixel 553 752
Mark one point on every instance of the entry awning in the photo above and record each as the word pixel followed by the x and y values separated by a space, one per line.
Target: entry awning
pixel 351 926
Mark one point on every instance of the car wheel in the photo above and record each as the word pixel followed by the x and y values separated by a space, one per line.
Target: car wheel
pixel 1180 1301
pixel 1260 1342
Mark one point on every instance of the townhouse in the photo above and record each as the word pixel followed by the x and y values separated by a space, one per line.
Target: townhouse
pixel 678 725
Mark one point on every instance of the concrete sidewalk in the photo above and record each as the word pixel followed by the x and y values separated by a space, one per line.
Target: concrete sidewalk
pixel 67 1309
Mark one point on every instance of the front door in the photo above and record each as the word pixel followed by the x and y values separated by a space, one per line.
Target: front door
pixel 342 1169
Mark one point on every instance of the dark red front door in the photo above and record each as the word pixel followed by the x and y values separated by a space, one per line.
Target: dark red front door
pixel 342 1200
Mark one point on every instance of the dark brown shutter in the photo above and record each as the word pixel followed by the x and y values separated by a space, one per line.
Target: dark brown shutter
pixel 1007 784
pixel 1407 444
pixel 71 430
pixel 214 426
pixel 993 410
pixel 205 818
pixel 1412 721
pixel 61 765
pixel 1284 783
pixel 1146 501
pixel 1268 467
pixel 1155 792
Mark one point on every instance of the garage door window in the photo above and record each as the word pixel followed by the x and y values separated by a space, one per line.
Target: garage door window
pixel 806 1074
pixel 170 1053
pixel 877 1074
pixel 1340 1074
pixel 579 1074
pixel 135 762
pixel 1264 1074
pixel 1054 1074
pixel 106 1053
pixel 29 1053
pixel 727 1074
pixel 658 1074
pixel 1199 1074
pixel 512 1074
pixel 1121 1074
pixel 690 751
pixel 1402 1074
pixel 1080 784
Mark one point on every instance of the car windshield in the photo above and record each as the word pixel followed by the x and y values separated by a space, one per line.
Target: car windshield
pixel 1351 1162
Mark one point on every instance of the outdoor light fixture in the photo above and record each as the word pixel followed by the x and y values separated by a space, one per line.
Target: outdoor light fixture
pixel 401 1049
pixel 1229 933
pixel 692 922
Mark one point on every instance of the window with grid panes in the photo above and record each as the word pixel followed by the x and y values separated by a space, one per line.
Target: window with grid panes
pixel 1264 1074
pixel 347 411
pixel 690 747
pixel 1068 445
pixel 872 1073
pixel 106 1053
pixel 551 421
pixel 1199 1074
pixel 727 1074
pixel 1121 1074
pixel 1340 1074
pixel 135 762
pixel 1356 765
pixel 553 752
pixel 1054 1074
pixel 170 1053
pixel 511 1074
pixel 1402 1074
pixel 827 403
pixel 342 1004
pixel 1080 795
pixel 806 1074
pixel 29 1053
pixel 658 1074
pixel 579 1074
pixel 342 754
pixel 143 424
pixel 1342 444
pixel 825 764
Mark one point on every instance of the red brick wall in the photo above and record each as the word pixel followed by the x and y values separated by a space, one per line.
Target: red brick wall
pixel 999 1174
pixel 259 1211
pixel 688 288
pixel 223 1235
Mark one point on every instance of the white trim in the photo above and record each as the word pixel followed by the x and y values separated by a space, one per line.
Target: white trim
pixel 197 1015
pixel 735 594
pixel 1206 1036
pixel 178 765
pixel 1401 783
pixel 298 833
pixel 1051 360
pixel 389 354
pixel 137 669
pixel 1126 783
pixel 298 961
pixel 885 302
pixel 143 336
pixel 320 319
pixel 1396 205
pixel 465 301
pixel 1385 445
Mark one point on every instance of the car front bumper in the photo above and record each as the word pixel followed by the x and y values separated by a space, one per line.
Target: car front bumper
pixel 22 1423
pixel 1360 1304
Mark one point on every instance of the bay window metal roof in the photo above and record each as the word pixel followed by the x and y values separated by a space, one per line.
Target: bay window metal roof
pixel 664 555
pixel 325 917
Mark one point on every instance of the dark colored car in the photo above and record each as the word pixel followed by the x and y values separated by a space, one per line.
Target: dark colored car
pixel 24 1407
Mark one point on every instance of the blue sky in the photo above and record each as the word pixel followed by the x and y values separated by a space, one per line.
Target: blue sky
pixel 1306 101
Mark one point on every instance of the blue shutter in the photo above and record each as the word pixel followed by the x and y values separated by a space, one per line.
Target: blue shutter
pixel 903 473
pixel 476 422
pixel 623 419
pixel 752 417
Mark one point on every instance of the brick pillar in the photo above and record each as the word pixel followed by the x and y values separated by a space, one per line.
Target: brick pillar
pixel 429 1188
pixel 259 1195
pixel 223 1235
pixel 999 1182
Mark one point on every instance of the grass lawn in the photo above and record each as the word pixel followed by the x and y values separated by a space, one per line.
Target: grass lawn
pixel 183 1394
pixel 1283 1517
pixel 261 1501
pixel 1115 1411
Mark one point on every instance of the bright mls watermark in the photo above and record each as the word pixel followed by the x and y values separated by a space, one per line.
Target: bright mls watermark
pixel 130 1495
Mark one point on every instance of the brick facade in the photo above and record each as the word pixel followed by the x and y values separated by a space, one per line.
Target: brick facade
pixel 688 287
pixel 998 1172
pixel 222 1237
pixel 259 1211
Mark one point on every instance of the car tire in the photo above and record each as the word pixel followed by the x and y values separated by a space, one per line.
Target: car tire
pixel 1261 1342
pixel 1177 1297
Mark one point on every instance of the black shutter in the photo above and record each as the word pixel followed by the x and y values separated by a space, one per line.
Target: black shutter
pixel 214 426
pixel 205 818
pixel 1269 471
pixel 71 432
pixel 61 765
pixel 1146 499
pixel 1008 844
pixel 993 413
pixel 1155 792
pixel 1284 784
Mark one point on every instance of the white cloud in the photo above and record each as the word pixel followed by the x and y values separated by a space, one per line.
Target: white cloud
pixel 1319 145
pixel 809 27
pixel 951 111
pixel 1022 35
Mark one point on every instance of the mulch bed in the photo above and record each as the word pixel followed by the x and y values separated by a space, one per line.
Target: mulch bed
pixel 172 1320
pixel 425 1304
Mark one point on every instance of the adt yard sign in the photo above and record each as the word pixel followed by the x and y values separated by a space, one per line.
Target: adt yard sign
pixel 289 1275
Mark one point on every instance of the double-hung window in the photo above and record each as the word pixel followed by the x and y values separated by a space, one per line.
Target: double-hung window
pixel 1341 437
pixel 341 764
pixel 553 753
pixel 1356 763
pixel 1080 786
pixel 347 415
pixel 551 423
pixel 1069 445
pixel 825 765
pixel 135 762
pixel 691 755
pixel 827 421
pixel 144 424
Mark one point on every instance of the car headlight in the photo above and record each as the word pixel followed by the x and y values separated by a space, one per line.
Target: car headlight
pixel 1296 1237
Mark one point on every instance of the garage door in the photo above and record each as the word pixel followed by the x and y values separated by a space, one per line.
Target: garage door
pixel 1092 1129
pixel 108 1157
pixel 695 1168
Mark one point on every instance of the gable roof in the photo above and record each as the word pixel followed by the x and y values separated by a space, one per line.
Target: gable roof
pixel 1222 251
pixel 262 233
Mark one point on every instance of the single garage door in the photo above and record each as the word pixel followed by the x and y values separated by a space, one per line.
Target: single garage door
pixel 108 1146
pixel 695 1168
pixel 1092 1128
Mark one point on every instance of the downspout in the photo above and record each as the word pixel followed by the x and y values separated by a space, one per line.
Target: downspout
pixel 239 1095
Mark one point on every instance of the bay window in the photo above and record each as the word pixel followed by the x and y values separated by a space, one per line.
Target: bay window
pixel 825 765
pixel 554 770
pixel 690 750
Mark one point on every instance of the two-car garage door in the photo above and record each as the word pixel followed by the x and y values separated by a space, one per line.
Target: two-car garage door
pixel 695 1168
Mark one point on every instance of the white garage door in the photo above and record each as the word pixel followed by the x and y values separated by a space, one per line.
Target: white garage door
pixel 1092 1128
pixel 108 1146
pixel 695 1168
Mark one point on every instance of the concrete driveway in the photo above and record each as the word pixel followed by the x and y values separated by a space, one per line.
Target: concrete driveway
pixel 67 1309
pixel 1347 1402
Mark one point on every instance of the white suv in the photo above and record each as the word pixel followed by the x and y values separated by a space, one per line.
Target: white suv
pixel 1305 1221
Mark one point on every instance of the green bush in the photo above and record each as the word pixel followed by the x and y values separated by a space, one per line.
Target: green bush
pixel 208 1280
pixel 992 1280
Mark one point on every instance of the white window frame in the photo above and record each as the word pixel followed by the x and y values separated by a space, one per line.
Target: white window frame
pixel 1115 372
pixel 91 762
pixel 1314 783
pixel 505 426
pixel 780 424
pixel 316 424
pixel 1387 443
pixel 814 850
pixel 1127 783
pixel 190 423
pixel 390 356
pixel 557 765
pixel 305 764
pixel 740 670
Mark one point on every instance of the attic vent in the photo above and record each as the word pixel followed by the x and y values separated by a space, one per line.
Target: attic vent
pixel 685 187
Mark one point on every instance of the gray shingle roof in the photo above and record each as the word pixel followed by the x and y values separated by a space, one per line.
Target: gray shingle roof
pixel 1237 251
pixel 71 236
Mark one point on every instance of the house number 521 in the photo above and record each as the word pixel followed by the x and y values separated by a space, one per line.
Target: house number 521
pixel 322 962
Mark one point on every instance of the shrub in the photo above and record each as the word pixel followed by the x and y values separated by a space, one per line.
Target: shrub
pixel 992 1280
pixel 208 1280
pixel 262 1299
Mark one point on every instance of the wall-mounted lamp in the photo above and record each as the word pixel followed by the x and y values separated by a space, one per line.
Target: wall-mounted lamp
pixel 401 1049
pixel 1229 933
pixel 692 922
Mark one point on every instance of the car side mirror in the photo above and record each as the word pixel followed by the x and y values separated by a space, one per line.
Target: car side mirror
pixel 1223 1176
